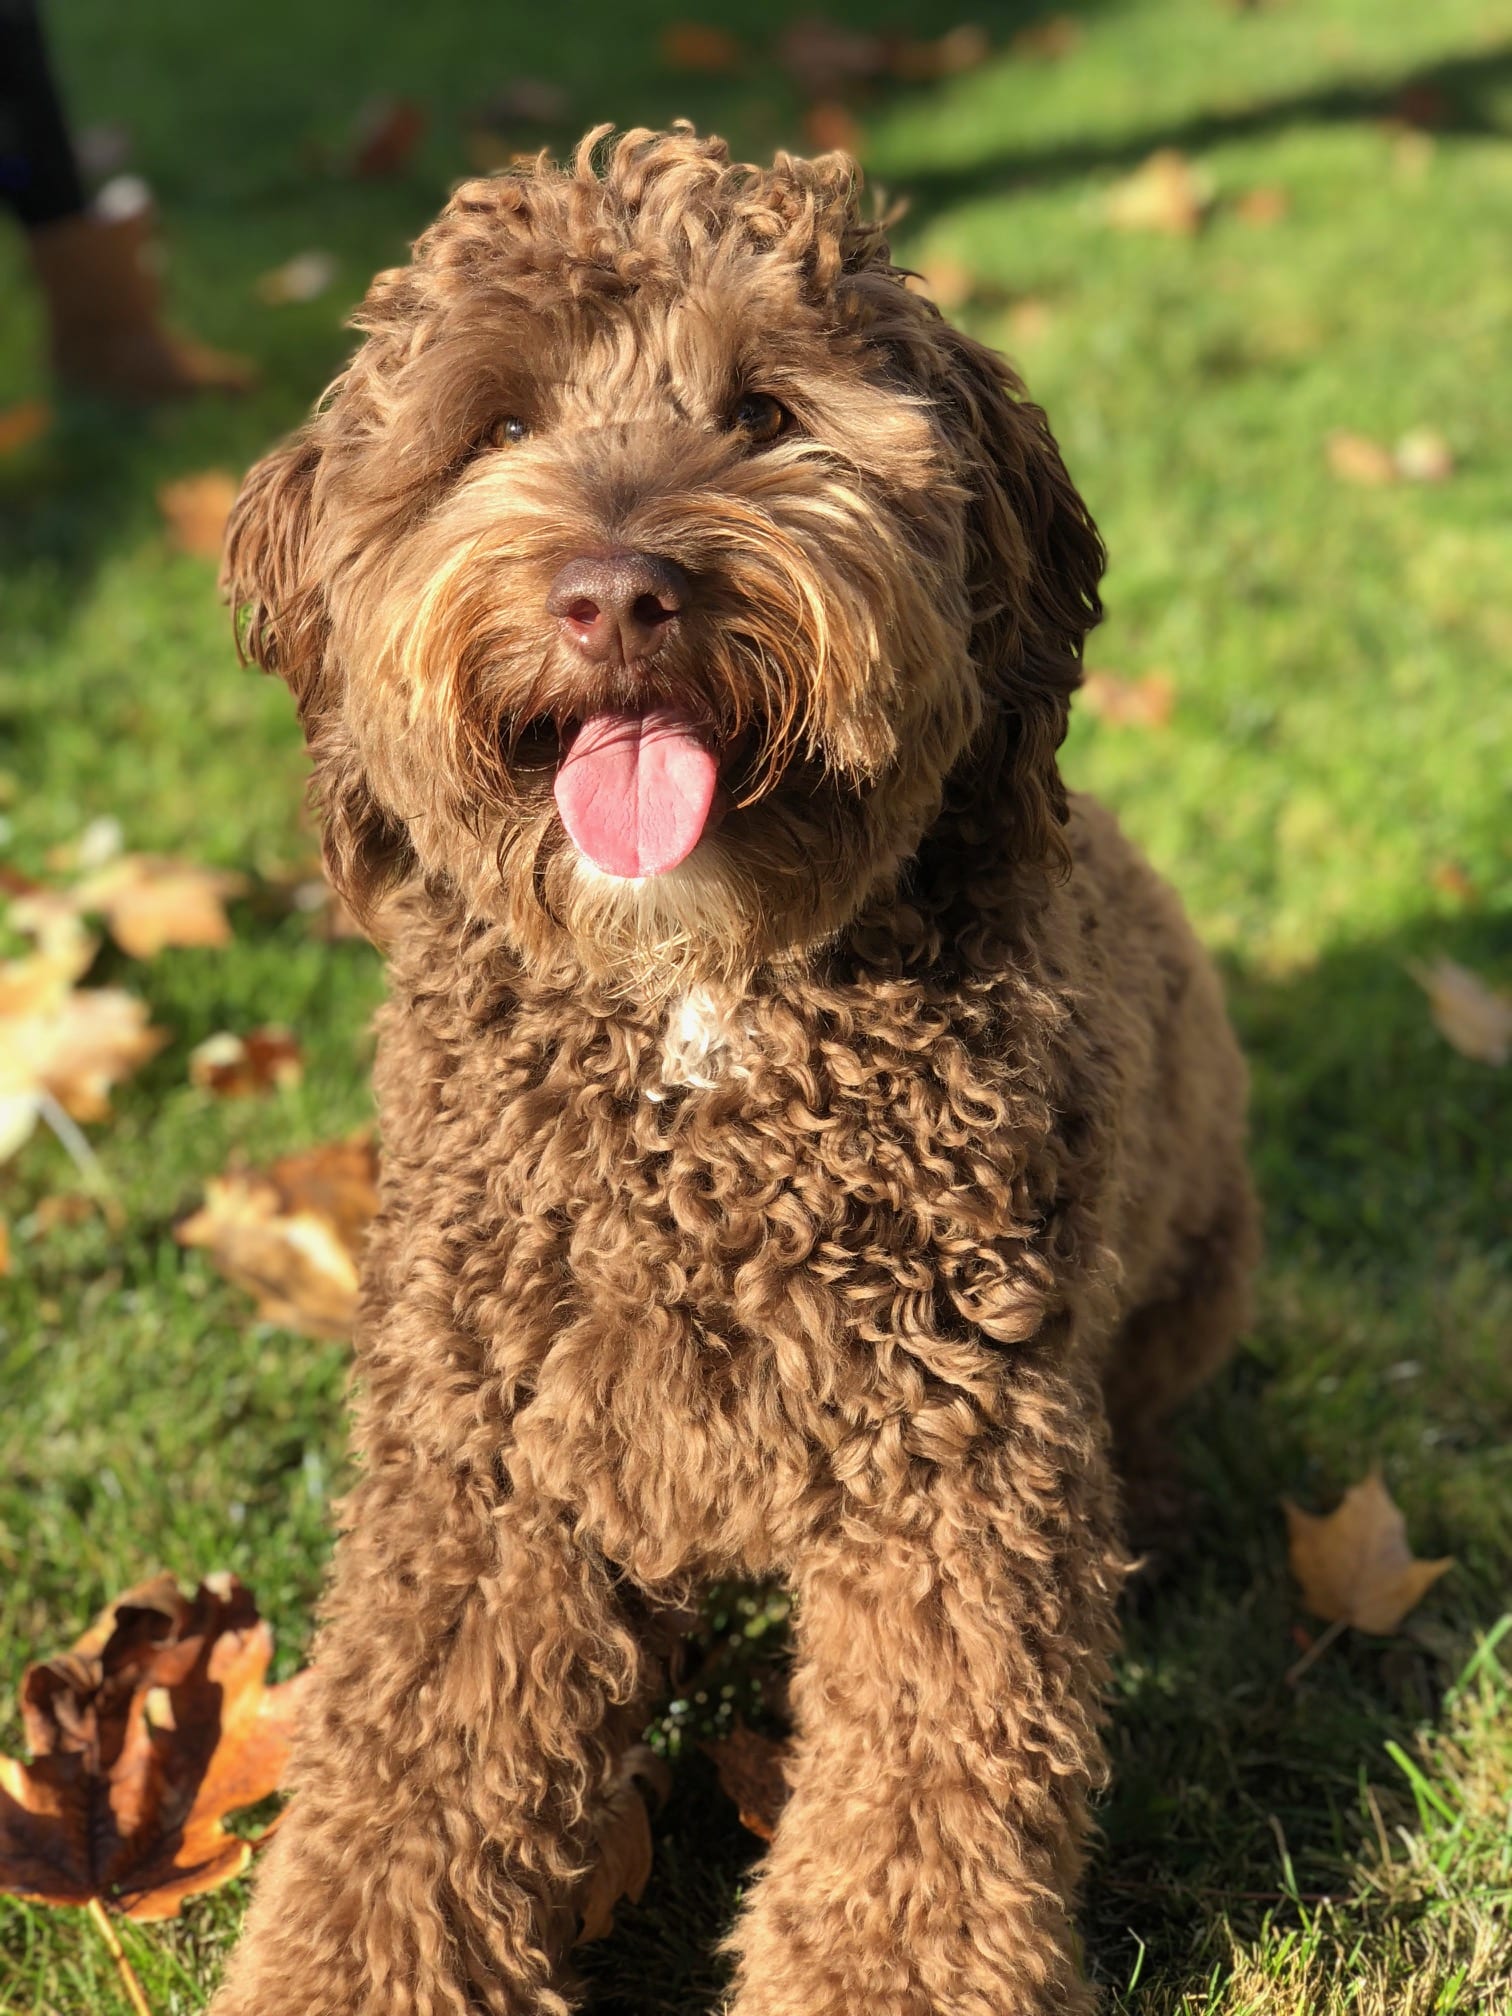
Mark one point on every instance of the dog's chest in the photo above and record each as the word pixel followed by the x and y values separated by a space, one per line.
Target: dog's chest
pixel 745 1260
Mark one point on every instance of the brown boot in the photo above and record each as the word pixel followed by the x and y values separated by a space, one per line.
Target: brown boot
pixel 103 311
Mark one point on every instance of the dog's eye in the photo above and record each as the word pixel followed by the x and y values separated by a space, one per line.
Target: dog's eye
pixel 507 432
pixel 759 417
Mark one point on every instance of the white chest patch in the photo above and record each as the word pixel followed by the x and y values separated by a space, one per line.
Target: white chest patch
pixel 702 1043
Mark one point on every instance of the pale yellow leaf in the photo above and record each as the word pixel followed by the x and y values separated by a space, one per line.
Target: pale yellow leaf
pixel 1475 1018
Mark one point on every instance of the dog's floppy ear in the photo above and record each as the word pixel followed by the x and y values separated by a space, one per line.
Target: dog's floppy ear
pixel 278 607
pixel 1034 563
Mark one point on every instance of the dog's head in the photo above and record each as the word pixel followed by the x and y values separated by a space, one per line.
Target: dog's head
pixel 657 560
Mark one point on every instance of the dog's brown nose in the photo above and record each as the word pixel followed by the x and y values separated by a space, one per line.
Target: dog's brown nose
pixel 619 607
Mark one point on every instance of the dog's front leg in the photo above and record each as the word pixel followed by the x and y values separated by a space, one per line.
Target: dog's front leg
pixel 472 1690
pixel 951 1652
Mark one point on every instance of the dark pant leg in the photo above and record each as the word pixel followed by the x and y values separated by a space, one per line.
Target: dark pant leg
pixel 39 177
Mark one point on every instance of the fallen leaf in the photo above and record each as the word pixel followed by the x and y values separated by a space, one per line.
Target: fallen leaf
pixel 60 1042
pixel 235 1067
pixel 1424 456
pixel 1263 206
pixel 1451 878
pixel 1146 702
pixel 830 129
pixel 948 281
pixel 693 45
pixel 292 1235
pixel 150 903
pixel 100 1036
pixel 622 1842
pixel 102 840
pixel 69 1207
pixel 305 277
pixel 750 1768
pixel 822 58
pixel 1168 193
pixel 386 133
pixel 1355 458
pixel 23 424
pixel 1354 1566
pixel 1474 1018
pixel 1422 104
pixel 195 510
pixel 950 55
pixel 1049 40
pixel 1029 320
pixel 144 1736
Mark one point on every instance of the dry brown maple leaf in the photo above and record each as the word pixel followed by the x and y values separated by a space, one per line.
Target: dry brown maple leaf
pixel 144 1736
pixel 1146 702
pixel 23 424
pixel 58 1042
pixel 150 903
pixel 292 1234
pixel 1474 1018
pixel 1354 1566
pixel 1167 193
pixel 1355 458
pixel 386 133
pixel 751 1772
pixel 622 1842
pixel 694 45
pixel 235 1067
pixel 195 510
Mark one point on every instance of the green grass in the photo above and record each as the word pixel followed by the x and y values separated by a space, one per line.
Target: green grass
pixel 1341 737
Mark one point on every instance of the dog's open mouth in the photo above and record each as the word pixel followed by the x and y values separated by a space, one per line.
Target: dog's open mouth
pixel 636 792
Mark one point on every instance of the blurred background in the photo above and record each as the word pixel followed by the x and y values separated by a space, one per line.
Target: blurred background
pixel 1254 260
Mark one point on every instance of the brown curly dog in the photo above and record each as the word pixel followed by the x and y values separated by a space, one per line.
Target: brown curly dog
pixel 804 1128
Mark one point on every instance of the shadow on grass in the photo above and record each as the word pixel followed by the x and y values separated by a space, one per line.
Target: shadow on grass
pixel 1375 1146
pixel 1458 97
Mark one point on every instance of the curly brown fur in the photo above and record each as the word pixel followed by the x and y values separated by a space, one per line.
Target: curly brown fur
pixel 788 1213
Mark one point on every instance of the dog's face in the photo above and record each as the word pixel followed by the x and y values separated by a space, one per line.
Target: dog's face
pixel 655 563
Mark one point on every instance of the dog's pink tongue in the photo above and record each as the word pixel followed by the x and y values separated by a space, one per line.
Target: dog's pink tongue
pixel 634 791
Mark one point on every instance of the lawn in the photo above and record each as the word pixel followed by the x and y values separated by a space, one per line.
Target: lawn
pixel 1329 792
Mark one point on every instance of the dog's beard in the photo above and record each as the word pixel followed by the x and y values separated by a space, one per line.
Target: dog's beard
pixel 823 662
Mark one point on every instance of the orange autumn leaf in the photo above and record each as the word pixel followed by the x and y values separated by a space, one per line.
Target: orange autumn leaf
pixel 150 903
pixel 751 1773
pixel 1355 458
pixel 693 45
pixel 1264 206
pixel 1168 193
pixel 1146 702
pixel 830 129
pixel 292 1235
pixel 621 1843
pixel 195 510
pixel 388 130
pixel 21 425
pixel 143 1737
pixel 1354 1566
pixel 236 1067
